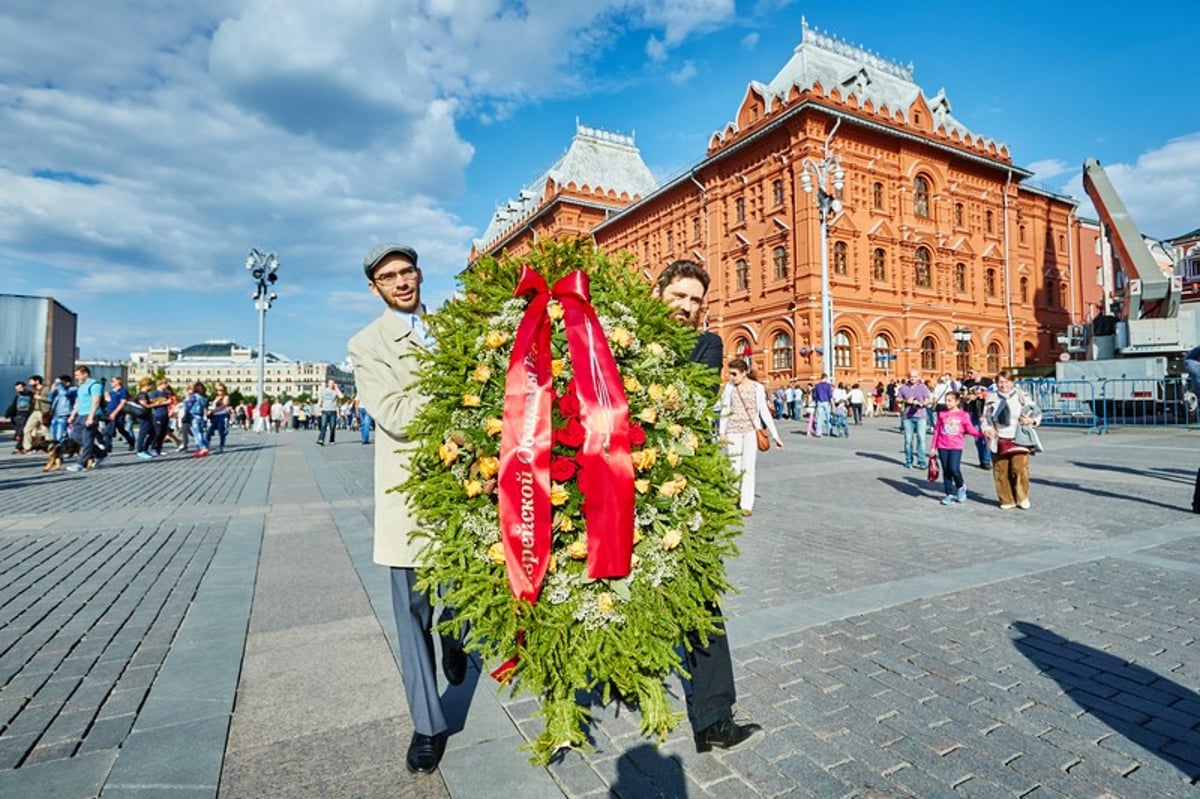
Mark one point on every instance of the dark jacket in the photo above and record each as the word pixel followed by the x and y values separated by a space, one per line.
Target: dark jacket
pixel 709 350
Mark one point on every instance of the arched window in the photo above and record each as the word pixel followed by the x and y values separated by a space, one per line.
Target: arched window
pixel 877 195
pixel 993 358
pixel 739 209
pixel 777 192
pixel 741 347
pixel 929 353
pixel 989 282
pixel 1062 243
pixel 1021 233
pixel 960 277
pixel 921 196
pixel 879 265
pixel 923 274
pixel 695 228
pixel 781 352
pixel 779 254
pixel 1051 293
pixel 843 354
pixel 1023 289
pixel 839 258
pixel 958 214
pixel 741 275
pixel 1062 295
pixel 990 222
pixel 882 348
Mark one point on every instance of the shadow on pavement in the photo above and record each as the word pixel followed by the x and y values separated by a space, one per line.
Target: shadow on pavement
pixel 880 457
pixel 1100 492
pixel 644 771
pixel 1153 712
pixel 911 486
pixel 1173 475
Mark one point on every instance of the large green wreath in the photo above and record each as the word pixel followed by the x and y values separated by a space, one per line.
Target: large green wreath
pixel 616 636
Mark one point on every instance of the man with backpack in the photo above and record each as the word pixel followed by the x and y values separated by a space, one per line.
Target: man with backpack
pixel 18 413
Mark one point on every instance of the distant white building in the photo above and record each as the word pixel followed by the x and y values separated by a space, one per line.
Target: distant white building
pixel 237 367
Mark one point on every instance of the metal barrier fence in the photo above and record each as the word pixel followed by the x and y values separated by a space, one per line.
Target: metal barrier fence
pixel 1116 402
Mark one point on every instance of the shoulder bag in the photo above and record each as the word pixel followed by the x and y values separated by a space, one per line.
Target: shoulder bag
pixel 760 435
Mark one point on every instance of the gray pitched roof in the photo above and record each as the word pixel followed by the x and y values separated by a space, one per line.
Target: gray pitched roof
pixel 596 159
pixel 853 70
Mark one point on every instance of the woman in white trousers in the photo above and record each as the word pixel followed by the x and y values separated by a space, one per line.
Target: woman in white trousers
pixel 744 411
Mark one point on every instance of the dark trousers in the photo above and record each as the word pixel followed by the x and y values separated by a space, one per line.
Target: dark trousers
pixel 328 422
pixel 90 441
pixel 952 478
pixel 220 426
pixel 147 434
pixel 116 425
pixel 981 445
pixel 710 692
pixel 19 421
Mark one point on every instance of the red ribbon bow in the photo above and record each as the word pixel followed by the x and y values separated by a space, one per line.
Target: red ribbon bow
pixel 605 468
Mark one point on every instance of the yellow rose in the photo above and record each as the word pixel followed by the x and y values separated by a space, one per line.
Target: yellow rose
pixel 473 487
pixel 672 538
pixel 632 384
pixel 495 339
pixel 558 494
pixel 482 373
pixel 488 466
pixel 656 349
pixel 649 415
pixel 563 522
pixel 635 561
pixel 655 392
pixel 448 452
pixel 672 457
pixel 493 426
pixel 690 441
pixel 637 537
pixel 673 486
pixel 604 603
pixel 642 487
pixel 557 367
pixel 577 550
pixel 553 567
pixel 621 337
pixel 676 430
pixel 495 552
pixel 554 310
pixel 644 459
pixel 671 398
pixel 471 401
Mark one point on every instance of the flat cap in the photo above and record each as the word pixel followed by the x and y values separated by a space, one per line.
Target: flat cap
pixel 378 253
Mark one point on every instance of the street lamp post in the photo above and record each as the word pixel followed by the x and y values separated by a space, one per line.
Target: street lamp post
pixel 962 335
pixel 263 268
pixel 825 171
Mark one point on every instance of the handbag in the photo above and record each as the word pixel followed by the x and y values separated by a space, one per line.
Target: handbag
pixel 1027 437
pixel 760 435
pixel 932 474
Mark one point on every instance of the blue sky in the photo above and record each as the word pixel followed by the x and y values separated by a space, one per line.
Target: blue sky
pixel 146 148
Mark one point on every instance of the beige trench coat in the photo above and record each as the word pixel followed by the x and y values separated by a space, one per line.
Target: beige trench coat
pixel 384 357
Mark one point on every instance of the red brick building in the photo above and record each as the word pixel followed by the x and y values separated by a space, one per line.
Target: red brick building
pixel 937 235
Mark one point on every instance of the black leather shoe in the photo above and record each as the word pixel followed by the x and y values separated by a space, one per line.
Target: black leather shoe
pixel 724 735
pixel 425 752
pixel 454 661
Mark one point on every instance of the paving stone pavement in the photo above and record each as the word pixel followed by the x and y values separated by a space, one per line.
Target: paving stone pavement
pixel 215 627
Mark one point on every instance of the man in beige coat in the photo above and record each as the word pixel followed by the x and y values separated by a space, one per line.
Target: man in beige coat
pixel 384 354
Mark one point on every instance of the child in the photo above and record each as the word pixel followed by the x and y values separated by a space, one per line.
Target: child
pixel 838 426
pixel 947 447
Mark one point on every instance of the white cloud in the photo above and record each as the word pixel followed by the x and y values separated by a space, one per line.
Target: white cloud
pixel 1048 168
pixel 750 41
pixel 683 74
pixel 1161 189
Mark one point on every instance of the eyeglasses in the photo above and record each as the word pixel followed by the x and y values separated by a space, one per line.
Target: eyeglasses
pixel 405 275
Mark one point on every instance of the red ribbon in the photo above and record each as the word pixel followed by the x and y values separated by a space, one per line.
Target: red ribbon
pixel 605 468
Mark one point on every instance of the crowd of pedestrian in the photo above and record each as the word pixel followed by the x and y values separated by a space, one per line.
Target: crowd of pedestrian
pixel 77 421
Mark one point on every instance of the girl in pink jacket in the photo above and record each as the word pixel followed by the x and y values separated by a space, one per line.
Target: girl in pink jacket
pixel 948 432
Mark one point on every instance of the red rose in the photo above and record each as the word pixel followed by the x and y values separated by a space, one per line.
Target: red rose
pixel 637 436
pixel 568 406
pixel 562 469
pixel 572 435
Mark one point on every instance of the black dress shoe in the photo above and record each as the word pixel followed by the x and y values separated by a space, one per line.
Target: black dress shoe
pixel 724 734
pixel 425 752
pixel 454 661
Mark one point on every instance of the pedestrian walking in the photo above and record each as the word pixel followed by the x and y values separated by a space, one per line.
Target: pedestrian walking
pixel 743 412
pixel 1007 411
pixel 952 424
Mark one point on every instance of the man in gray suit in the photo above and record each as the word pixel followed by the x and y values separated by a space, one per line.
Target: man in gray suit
pixel 384 354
